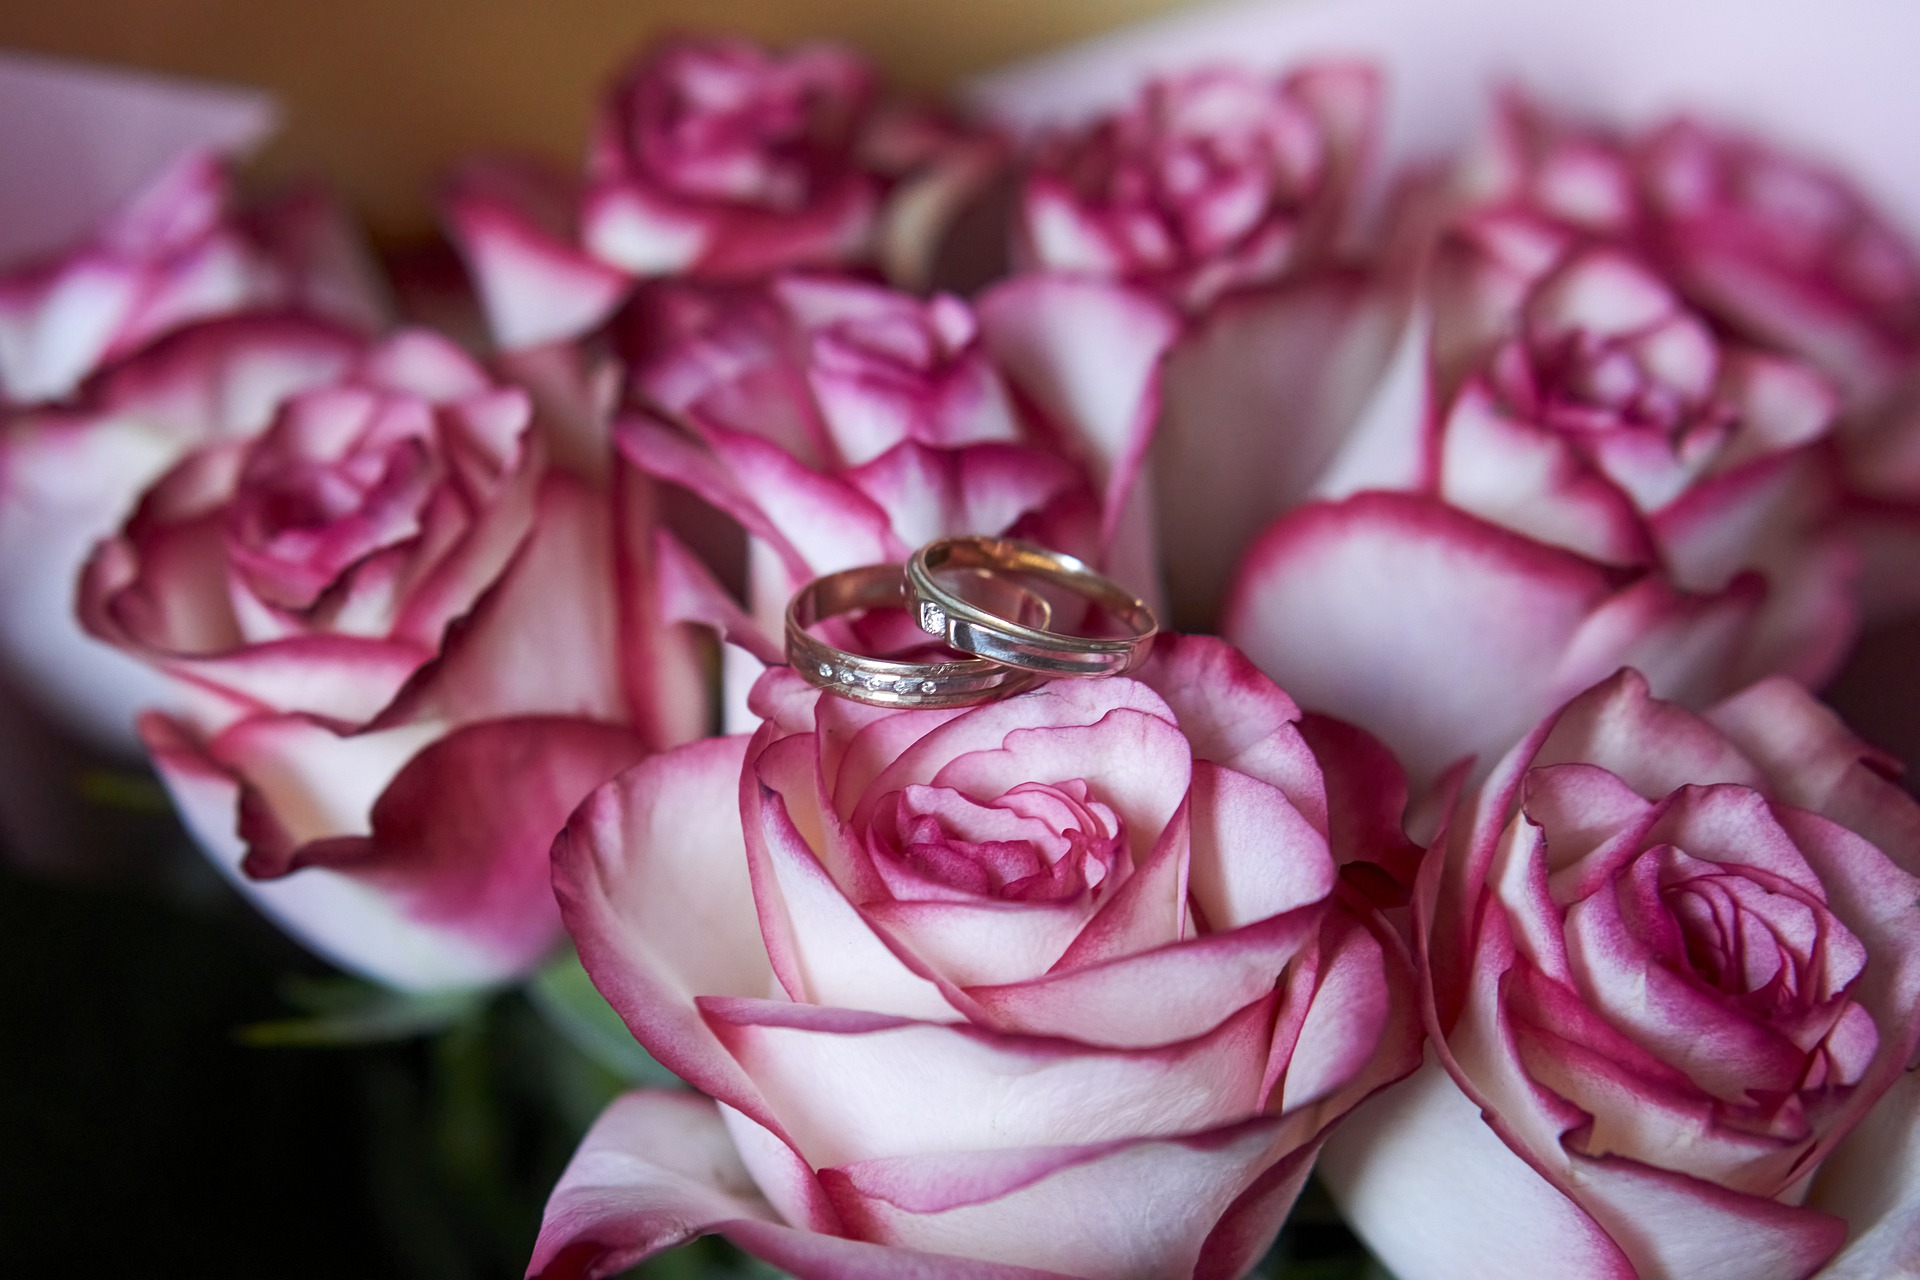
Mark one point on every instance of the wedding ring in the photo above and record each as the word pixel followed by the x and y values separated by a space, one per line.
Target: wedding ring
pixel 888 682
pixel 971 627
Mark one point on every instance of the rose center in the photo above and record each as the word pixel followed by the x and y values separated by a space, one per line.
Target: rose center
pixel 1036 842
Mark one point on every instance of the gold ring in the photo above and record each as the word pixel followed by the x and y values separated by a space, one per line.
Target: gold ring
pixel 887 682
pixel 971 627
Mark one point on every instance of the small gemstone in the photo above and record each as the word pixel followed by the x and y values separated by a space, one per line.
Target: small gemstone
pixel 926 686
pixel 846 676
pixel 933 620
pixel 878 682
pixel 826 670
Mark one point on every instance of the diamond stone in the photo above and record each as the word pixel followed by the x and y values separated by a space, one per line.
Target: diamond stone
pixel 826 670
pixel 927 686
pixel 846 676
pixel 933 619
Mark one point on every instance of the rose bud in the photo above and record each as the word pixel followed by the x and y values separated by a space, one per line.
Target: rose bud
pixel 839 423
pixel 1230 193
pixel 715 157
pixel 398 642
pixel 1070 983
pixel 1672 960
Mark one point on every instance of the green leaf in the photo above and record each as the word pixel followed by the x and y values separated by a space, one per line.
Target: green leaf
pixel 349 1011
pixel 566 998
pixel 121 789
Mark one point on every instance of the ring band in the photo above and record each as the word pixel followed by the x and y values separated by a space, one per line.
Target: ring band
pixel 970 628
pixel 886 682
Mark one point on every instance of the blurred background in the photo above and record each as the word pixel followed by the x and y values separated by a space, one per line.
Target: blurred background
pixel 381 96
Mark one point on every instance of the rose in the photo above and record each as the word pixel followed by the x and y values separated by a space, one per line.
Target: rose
pixel 1228 192
pixel 1774 247
pixel 1781 249
pixel 1673 958
pixel 1559 388
pixel 1574 397
pixel 69 475
pixel 716 158
pixel 405 648
pixel 93 410
pixel 839 423
pixel 176 253
pixel 1212 180
pixel 722 127
pixel 1068 983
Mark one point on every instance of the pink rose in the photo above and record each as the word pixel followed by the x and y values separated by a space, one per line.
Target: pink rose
pixel 714 157
pixel 839 423
pixel 1775 246
pixel 1071 983
pixel 1673 960
pixel 1573 396
pixel 405 649
pixel 71 473
pixel 177 253
pixel 99 348
pixel 1216 179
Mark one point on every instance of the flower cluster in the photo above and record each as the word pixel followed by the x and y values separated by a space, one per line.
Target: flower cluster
pixel 1493 852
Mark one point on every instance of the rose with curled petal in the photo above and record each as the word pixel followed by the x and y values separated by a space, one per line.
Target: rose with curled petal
pixel 1575 397
pixel 718 158
pixel 1673 959
pixel 71 473
pixel 1072 983
pixel 177 253
pixel 405 648
pixel 839 423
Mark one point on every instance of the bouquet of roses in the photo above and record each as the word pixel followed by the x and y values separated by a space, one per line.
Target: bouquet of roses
pixel 1068 664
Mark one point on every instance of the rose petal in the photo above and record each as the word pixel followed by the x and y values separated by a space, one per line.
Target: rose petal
pixel 1437 1194
pixel 1170 993
pixel 655 1170
pixel 355 925
pixel 509 218
pixel 821 949
pixel 1039 1091
pixel 1351 606
pixel 1259 396
pixel 654 889
pixel 1530 479
pixel 1254 854
pixel 1129 1209
pixel 462 834
pixel 1086 354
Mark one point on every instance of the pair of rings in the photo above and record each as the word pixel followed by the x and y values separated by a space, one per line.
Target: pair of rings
pixel 997 620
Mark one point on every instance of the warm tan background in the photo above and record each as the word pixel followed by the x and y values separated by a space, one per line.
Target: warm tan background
pixel 380 95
